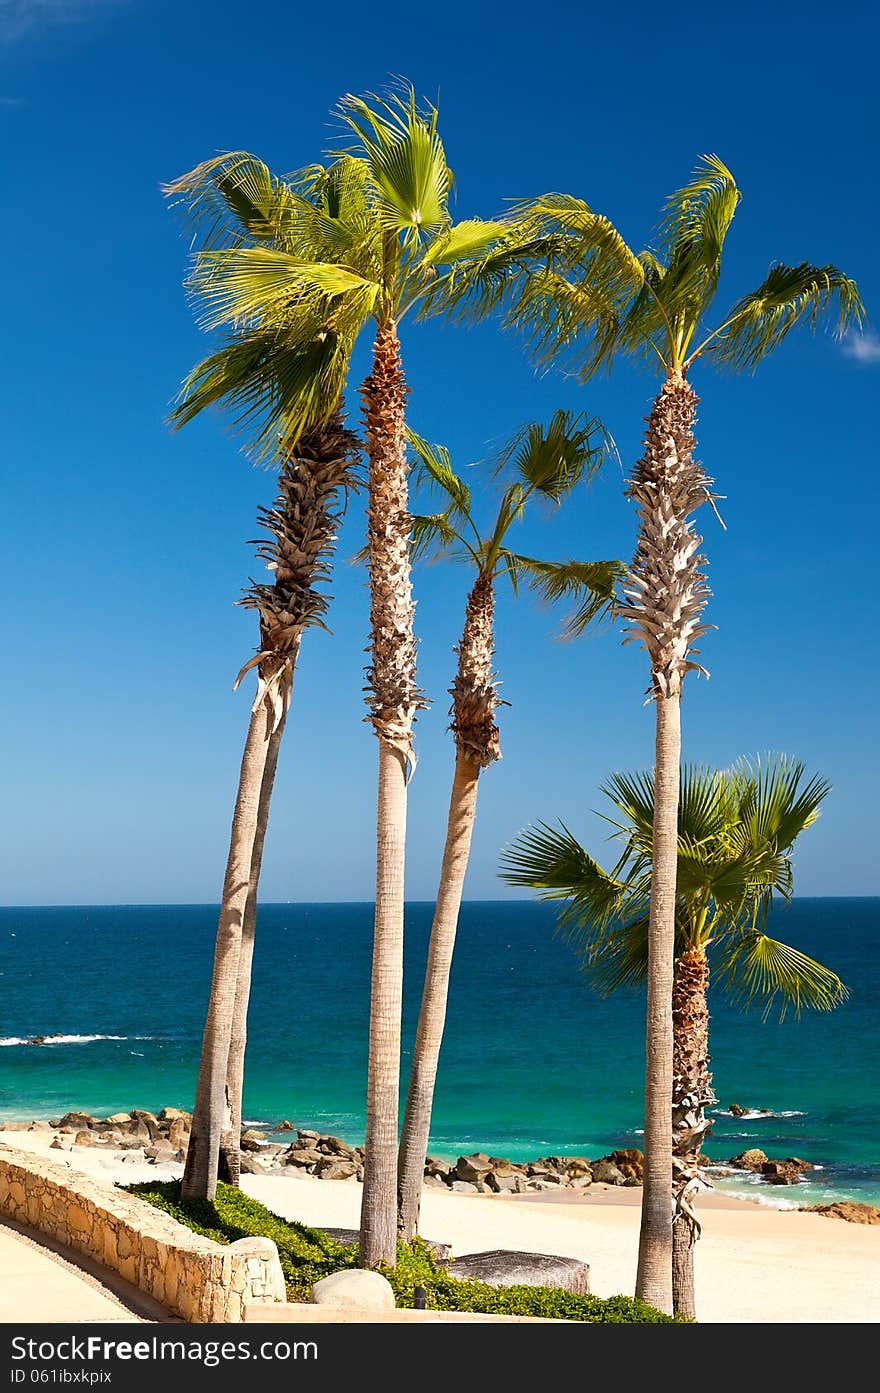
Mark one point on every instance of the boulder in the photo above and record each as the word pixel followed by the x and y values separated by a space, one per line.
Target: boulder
pixel 303 1156
pixel 60 1144
pixel 630 1162
pixel 252 1164
pixel 465 1187
pixel 510 1184
pixel 850 1210
pixel 736 1111
pixel 178 1132
pixel 307 1137
pixel 501 1165
pixel 474 1167
pixel 335 1146
pixel 781 1173
pixel 284 1126
pixel 801 1165
pixel 336 1168
pixel 252 1141
pixel 357 1288
pixel 436 1168
pixel 503 1268
pixel 579 1168
pixel 606 1173
pixel 175 1115
pixel 79 1121
pixel 751 1160
pixel 84 1139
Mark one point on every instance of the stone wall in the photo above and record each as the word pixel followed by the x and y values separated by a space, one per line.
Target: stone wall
pixel 191 1276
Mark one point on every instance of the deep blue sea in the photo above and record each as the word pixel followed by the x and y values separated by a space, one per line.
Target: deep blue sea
pixel 534 1062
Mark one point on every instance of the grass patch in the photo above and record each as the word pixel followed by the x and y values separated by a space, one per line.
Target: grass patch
pixel 308 1254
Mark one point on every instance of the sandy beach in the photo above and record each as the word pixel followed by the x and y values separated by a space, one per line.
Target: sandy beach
pixel 754 1264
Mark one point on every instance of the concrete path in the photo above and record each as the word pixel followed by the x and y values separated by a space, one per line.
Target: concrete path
pixel 41 1281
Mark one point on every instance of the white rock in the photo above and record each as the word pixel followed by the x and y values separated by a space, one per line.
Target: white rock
pixel 369 1291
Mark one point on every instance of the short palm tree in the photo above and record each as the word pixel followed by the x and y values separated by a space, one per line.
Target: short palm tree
pixel 546 462
pixel 736 832
pixel 586 300
pixel 314 259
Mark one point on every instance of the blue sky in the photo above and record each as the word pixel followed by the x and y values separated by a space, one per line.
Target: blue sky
pixel 125 545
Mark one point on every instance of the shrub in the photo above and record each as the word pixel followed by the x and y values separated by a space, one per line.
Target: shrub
pixel 308 1254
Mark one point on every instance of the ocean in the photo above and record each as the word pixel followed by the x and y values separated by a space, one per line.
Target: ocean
pixel 534 1062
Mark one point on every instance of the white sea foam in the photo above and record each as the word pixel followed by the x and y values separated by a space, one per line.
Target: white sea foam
pixel 752 1114
pixel 61 1039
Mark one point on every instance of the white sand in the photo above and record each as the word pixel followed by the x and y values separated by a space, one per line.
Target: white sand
pixel 754 1264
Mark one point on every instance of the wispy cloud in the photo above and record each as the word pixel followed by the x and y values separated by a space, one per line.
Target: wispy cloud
pixel 19 18
pixel 864 347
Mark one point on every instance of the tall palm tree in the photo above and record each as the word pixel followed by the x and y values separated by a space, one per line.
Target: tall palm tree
pixel 736 833
pixel 275 385
pixel 546 463
pixel 315 259
pixel 586 300
pixel 301 529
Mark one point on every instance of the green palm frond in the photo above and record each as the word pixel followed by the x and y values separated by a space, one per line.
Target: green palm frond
pixel 434 466
pixel 790 295
pixel 757 968
pixel 229 198
pixel 260 286
pixel 552 861
pixel 402 147
pixel 776 802
pixel 465 241
pixel 432 534
pixel 553 458
pixel 696 221
pixel 591 585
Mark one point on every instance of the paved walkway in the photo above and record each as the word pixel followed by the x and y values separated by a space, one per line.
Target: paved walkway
pixel 41 1281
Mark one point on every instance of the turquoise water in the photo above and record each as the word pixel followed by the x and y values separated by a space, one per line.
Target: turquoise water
pixel 533 1063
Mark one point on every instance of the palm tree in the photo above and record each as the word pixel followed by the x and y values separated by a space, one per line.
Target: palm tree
pixel 546 463
pixel 275 385
pixel 314 259
pixel 302 528
pixel 736 832
pixel 586 300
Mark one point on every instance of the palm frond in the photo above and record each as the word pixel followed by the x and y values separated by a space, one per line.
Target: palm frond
pixel 591 585
pixel 552 861
pixel 758 968
pixel 434 466
pixel 465 241
pixel 553 458
pixel 432 534
pixel 402 147
pixel 790 295
pixel 695 224
pixel 227 199
pixel 247 286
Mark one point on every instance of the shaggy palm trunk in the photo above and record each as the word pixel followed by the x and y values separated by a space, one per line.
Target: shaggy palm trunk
pixel 666 594
pixel 476 736
pixel 691 1095
pixel 393 699
pixel 229 1169
pixel 210 1114
pixel 302 530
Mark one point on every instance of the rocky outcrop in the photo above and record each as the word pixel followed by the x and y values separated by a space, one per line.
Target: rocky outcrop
pixel 162 1138
pixel 503 1268
pixel 751 1160
pixel 790 1171
pixel 852 1212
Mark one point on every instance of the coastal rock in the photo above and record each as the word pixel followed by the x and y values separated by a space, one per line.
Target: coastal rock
pixel 252 1141
pixel 736 1111
pixel 751 1160
pixel 630 1162
pixel 39 1126
pixel 501 1165
pixel 504 1268
pixel 175 1115
pixel 336 1168
pixel 435 1168
pixel 850 1210
pixel 579 1168
pixel 357 1288
pixel 606 1173
pixel 84 1139
pixel 79 1121
pixel 307 1137
pixel 781 1173
pixel 335 1146
pixel 178 1132
pixel 119 1119
pixel 253 1164
pixel 474 1167
pixel 60 1144
pixel 303 1156
pixel 465 1187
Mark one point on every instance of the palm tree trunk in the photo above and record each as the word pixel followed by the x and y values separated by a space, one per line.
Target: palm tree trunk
pixel 474 699
pixel 654 1279
pixel 432 1014
pixel 230 1142
pixel 691 1095
pixel 666 595
pixel 210 1109
pixel 393 699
